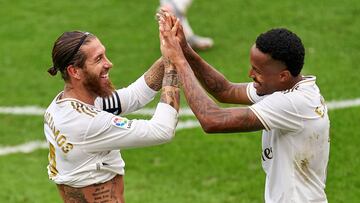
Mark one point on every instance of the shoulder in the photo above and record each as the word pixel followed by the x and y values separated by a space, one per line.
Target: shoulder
pixel 111 104
pixel 83 109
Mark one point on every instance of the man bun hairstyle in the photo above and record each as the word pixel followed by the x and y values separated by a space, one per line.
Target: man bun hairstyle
pixel 285 46
pixel 66 51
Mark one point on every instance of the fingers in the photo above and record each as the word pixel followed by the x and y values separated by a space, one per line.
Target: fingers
pixel 169 18
pixel 173 19
pixel 175 28
pixel 168 28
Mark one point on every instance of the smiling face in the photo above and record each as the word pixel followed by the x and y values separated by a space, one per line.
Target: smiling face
pixel 96 70
pixel 269 75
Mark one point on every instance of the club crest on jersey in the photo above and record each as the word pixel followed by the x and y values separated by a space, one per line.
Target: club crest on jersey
pixel 121 122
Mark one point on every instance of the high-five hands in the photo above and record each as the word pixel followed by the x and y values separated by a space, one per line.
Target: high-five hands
pixel 170 33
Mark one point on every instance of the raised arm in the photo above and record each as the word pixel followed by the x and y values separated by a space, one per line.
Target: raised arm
pixel 119 132
pixel 170 88
pixel 212 118
pixel 154 76
pixel 213 81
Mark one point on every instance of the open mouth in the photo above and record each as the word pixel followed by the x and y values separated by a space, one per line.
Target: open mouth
pixel 105 76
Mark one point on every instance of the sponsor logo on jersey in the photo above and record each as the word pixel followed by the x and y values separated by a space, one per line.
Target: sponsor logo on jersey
pixel 267 154
pixel 121 122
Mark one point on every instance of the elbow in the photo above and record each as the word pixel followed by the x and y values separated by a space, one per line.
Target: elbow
pixel 167 135
pixel 209 122
pixel 209 127
pixel 170 135
pixel 221 98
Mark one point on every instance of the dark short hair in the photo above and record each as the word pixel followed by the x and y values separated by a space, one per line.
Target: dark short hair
pixel 66 51
pixel 285 46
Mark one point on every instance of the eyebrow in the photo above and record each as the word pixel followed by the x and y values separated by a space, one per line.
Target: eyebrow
pixel 102 52
pixel 97 56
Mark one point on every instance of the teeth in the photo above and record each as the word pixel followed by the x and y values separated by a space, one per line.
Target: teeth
pixel 105 75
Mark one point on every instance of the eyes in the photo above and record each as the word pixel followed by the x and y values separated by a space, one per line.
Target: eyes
pixel 99 58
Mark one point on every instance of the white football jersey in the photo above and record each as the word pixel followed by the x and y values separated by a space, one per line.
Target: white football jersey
pixel 295 142
pixel 85 140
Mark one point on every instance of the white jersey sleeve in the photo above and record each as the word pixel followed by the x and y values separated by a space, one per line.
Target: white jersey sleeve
pixel 277 111
pixel 110 132
pixel 127 100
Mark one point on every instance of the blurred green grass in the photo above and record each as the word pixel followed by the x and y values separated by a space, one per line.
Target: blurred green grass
pixel 194 167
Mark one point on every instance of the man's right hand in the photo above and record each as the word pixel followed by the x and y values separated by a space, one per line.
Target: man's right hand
pixel 169 45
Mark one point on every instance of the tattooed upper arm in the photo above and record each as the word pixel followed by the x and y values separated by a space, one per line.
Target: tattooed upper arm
pixel 241 119
pixel 215 82
pixel 234 93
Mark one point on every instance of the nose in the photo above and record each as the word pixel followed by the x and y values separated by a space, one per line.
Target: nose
pixel 108 63
pixel 251 73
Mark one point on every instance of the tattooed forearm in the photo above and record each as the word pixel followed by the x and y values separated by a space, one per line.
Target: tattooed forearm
pixel 170 91
pixel 170 78
pixel 214 82
pixel 211 116
pixel 154 76
pixel 211 79
pixel 171 96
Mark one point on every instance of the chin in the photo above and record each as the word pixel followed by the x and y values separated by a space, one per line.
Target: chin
pixel 105 92
pixel 261 93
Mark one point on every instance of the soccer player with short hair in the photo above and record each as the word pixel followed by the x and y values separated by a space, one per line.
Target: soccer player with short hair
pixel 286 105
pixel 83 125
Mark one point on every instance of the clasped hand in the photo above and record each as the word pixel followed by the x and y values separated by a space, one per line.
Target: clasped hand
pixel 170 33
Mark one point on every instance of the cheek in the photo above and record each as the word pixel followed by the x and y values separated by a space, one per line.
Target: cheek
pixel 259 78
pixel 270 82
pixel 96 69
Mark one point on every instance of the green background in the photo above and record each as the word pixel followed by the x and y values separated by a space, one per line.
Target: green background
pixel 194 167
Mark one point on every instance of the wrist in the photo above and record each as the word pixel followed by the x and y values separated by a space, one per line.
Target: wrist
pixel 177 60
pixel 187 50
pixel 170 79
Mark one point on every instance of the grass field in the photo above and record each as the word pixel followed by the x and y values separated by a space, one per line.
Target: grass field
pixel 194 167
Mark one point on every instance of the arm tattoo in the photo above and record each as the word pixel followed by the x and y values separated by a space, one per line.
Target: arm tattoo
pixel 210 115
pixel 211 79
pixel 214 82
pixel 154 76
pixel 170 91
pixel 170 78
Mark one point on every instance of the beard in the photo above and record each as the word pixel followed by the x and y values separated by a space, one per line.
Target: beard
pixel 94 85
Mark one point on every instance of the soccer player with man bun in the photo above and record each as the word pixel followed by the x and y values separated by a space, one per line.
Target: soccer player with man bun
pixel 83 126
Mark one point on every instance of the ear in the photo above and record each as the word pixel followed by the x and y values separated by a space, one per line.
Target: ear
pixel 73 72
pixel 285 76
